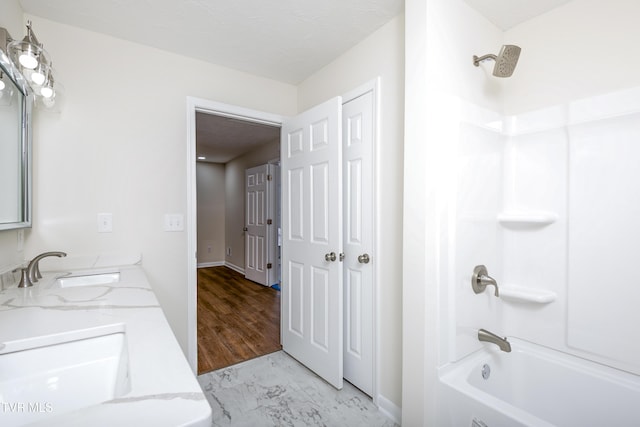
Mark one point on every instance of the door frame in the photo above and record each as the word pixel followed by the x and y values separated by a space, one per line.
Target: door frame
pixel 200 105
pixel 194 105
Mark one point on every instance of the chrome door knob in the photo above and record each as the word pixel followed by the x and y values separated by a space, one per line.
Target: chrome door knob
pixel 330 257
pixel 364 259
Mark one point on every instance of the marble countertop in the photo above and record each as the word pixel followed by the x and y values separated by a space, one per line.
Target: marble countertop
pixel 163 389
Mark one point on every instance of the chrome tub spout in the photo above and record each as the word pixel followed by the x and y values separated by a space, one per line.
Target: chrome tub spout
pixel 484 335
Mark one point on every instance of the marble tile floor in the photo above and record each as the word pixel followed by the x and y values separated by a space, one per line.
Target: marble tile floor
pixel 276 390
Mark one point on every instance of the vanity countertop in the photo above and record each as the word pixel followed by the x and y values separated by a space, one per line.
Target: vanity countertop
pixel 163 389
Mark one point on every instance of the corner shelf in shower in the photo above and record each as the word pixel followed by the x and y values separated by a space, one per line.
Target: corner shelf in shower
pixel 527 219
pixel 522 294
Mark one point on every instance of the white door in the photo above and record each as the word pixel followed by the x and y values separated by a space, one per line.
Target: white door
pixel 357 139
pixel 255 231
pixel 311 152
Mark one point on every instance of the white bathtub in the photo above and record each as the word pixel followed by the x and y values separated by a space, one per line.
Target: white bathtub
pixel 536 386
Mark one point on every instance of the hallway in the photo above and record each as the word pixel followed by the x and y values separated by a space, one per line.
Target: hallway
pixel 238 320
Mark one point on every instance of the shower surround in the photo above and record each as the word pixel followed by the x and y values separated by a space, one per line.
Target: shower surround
pixel 533 176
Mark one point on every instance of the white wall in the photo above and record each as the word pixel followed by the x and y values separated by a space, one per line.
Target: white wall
pixel 381 54
pixel 235 197
pixel 466 161
pixel 119 146
pixel 210 184
pixel 574 156
pixel 11 19
pixel 581 49
pixel 448 101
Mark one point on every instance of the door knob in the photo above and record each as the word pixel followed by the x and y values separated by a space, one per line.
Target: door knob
pixel 364 259
pixel 245 229
pixel 330 257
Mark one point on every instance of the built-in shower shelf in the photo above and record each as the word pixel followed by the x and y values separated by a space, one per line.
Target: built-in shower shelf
pixel 523 294
pixel 527 219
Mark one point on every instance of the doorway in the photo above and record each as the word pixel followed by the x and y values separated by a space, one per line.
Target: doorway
pixel 226 145
pixel 372 88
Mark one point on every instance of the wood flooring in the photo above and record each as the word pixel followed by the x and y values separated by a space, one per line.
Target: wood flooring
pixel 237 319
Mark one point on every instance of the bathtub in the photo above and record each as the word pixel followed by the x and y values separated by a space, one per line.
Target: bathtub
pixel 535 386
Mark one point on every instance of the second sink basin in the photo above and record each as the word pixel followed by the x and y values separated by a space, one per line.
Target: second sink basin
pixel 54 375
pixel 90 279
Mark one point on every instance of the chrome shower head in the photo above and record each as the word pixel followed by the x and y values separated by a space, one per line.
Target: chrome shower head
pixel 505 61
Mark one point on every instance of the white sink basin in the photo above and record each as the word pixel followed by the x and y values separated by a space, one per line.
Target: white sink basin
pixel 93 279
pixel 61 373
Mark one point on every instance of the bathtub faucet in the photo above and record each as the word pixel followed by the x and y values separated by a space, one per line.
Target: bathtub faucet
pixel 484 335
pixel 481 279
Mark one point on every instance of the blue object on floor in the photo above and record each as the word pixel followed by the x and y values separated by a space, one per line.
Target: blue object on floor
pixel 276 287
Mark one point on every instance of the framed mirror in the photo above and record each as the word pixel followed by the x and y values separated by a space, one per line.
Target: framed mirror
pixel 16 103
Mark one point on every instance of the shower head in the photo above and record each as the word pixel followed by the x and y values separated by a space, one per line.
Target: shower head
pixel 505 61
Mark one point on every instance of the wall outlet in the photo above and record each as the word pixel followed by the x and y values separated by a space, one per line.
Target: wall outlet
pixel 208 249
pixel 174 222
pixel 105 223
pixel 229 251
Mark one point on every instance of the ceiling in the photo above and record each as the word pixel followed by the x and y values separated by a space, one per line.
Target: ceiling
pixel 509 13
pixel 284 40
pixel 220 139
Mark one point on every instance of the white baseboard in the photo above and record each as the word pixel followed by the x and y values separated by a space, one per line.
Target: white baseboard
pixel 210 264
pixel 234 267
pixel 389 409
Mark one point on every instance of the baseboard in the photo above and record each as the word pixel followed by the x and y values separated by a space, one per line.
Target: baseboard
pixel 389 409
pixel 210 264
pixel 234 267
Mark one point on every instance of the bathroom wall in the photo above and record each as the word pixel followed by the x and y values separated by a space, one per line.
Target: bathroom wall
pixel 120 146
pixel 210 183
pixel 235 197
pixel 381 54
pixel 452 142
pixel 532 183
pixel 10 252
pixel 532 176
pixel 573 140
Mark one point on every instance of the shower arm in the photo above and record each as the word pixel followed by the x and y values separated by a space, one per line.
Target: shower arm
pixel 477 60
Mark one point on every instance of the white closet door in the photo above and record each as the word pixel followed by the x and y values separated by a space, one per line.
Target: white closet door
pixel 358 131
pixel 312 294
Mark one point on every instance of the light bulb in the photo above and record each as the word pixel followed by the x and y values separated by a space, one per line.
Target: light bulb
pixel 46 92
pixel 27 60
pixel 1 85
pixel 37 77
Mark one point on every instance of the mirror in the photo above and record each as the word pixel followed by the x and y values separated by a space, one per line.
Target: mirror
pixel 16 105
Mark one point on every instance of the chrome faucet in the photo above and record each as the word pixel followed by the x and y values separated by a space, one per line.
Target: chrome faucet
pixel 484 335
pixel 31 274
pixel 481 279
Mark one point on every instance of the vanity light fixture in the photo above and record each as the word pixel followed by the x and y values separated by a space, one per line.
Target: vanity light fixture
pixel 28 52
pixel 34 63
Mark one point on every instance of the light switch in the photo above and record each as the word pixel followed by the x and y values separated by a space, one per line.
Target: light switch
pixel 173 222
pixel 105 223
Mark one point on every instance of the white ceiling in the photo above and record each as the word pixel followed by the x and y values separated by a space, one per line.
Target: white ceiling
pixel 509 13
pixel 221 139
pixel 284 40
